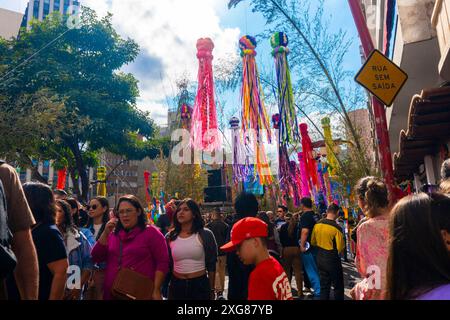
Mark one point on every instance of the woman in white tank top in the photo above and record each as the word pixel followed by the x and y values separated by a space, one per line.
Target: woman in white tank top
pixel 193 252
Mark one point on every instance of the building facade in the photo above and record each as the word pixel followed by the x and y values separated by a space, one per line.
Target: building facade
pixel 122 176
pixel 415 34
pixel 360 119
pixel 39 9
pixel 9 23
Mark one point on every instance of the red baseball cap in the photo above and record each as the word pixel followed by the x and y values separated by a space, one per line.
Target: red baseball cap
pixel 244 229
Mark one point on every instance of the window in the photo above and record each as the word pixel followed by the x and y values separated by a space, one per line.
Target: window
pixel 46 7
pixel 66 5
pixel 56 5
pixel 36 10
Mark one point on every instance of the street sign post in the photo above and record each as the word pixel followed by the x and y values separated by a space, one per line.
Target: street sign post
pixel 379 113
pixel 381 77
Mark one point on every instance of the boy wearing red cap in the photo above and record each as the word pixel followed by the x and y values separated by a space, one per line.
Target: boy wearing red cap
pixel 268 281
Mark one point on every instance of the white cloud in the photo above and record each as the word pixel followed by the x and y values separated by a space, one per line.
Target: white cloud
pixel 167 32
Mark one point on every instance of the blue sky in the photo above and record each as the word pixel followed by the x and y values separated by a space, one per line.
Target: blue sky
pixel 167 31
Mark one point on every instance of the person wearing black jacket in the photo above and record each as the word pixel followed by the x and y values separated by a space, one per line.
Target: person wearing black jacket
pixel 220 230
pixel 289 238
pixel 245 205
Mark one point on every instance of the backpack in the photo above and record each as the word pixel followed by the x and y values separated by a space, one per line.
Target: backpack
pixel 8 260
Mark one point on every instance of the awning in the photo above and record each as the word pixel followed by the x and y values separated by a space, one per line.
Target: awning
pixel 428 128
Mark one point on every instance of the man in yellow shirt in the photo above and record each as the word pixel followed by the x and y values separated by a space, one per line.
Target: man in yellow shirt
pixel 328 238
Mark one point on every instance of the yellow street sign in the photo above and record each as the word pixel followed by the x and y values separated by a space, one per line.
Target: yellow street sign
pixel 381 77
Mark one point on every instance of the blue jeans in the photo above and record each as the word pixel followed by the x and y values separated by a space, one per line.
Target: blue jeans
pixel 310 266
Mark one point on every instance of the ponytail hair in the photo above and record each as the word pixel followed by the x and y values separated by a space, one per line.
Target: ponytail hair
pixel 374 193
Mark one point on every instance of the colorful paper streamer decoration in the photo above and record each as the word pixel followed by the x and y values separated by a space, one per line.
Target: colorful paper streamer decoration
pixel 307 149
pixel 288 116
pixel 304 176
pixel 101 177
pixel 148 194
pixel 186 116
pixel 331 157
pixel 62 176
pixel 240 163
pixel 254 114
pixel 204 135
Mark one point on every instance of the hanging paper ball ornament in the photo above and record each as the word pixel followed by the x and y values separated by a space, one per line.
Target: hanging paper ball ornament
pixel 204 48
pixel 234 123
pixel 279 42
pixel 276 121
pixel 186 112
pixel 247 44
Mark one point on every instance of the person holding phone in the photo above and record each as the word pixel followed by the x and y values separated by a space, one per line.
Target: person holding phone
pixel 141 247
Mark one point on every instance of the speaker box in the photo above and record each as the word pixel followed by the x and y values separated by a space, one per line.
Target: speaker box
pixel 215 178
pixel 217 194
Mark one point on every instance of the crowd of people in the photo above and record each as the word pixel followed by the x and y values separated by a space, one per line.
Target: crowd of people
pixel 54 249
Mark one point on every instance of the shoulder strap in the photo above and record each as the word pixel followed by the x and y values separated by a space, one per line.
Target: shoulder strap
pixel 5 234
pixel 120 252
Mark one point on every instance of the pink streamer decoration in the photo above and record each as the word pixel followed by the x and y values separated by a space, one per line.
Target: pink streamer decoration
pixel 204 133
pixel 307 149
pixel 304 176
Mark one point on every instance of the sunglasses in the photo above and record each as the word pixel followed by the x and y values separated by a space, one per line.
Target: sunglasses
pixel 93 207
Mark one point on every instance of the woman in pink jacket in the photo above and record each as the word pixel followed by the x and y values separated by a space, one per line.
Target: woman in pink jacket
pixel 144 248
pixel 372 240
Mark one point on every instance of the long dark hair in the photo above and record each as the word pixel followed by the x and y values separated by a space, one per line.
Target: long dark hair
pixel 74 205
pixel 68 220
pixel 197 224
pixel 293 223
pixel 105 218
pixel 418 257
pixel 134 201
pixel 41 200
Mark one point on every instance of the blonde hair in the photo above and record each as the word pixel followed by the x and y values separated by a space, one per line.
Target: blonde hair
pixel 374 193
pixel 445 186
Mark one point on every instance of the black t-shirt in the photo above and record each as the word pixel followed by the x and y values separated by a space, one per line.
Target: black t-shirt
pixel 307 221
pixel 238 273
pixel 220 231
pixel 163 223
pixel 285 239
pixel 50 247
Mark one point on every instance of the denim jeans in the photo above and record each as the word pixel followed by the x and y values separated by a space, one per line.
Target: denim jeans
pixel 309 263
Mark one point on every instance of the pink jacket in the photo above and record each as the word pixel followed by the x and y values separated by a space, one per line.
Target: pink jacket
pixel 144 251
pixel 372 249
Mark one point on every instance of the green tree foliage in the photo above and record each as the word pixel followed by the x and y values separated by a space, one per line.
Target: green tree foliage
pixel 81 68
